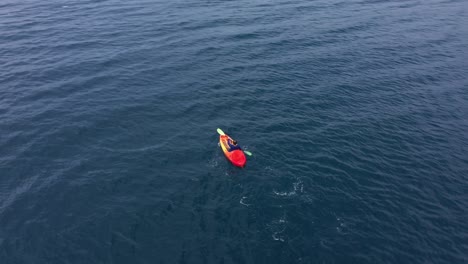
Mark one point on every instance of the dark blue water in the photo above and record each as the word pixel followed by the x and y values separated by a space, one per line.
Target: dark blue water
pixel 356 113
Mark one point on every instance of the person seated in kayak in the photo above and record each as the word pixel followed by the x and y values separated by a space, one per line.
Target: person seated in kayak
pixel 233 146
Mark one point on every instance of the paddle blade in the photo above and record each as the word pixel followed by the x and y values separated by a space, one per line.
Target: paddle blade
pixel 248 152
pixel 220 131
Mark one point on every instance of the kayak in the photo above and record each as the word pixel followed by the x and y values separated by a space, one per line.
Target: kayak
pixel 236 157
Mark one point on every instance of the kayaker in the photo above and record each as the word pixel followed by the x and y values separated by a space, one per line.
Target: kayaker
pixel 233 146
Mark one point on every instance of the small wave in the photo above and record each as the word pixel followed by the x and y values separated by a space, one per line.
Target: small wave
pixel 277 237
pixel 341 226
pixel 17 192
pixel 278 228
pixel 242 201
pixel 284 193
pixel 298 187
pixel 213 163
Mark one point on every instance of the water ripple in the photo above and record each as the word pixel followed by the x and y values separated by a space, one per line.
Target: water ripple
pixel 355 112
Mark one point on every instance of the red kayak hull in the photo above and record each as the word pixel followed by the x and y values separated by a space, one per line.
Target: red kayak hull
pixel 236 157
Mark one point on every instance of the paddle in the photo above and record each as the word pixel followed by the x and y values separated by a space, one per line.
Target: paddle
pixel 222 133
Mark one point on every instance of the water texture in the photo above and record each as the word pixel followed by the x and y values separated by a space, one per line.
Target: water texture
pixel 356 113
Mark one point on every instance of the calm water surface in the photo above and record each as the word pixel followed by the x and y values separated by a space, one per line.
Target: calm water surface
pixel 356 113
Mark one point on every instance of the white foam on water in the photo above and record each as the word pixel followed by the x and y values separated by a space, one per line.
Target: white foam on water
pixel 242 201
pixel 278 227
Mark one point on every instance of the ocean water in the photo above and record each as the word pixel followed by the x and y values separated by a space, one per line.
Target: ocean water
pixel 356 112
